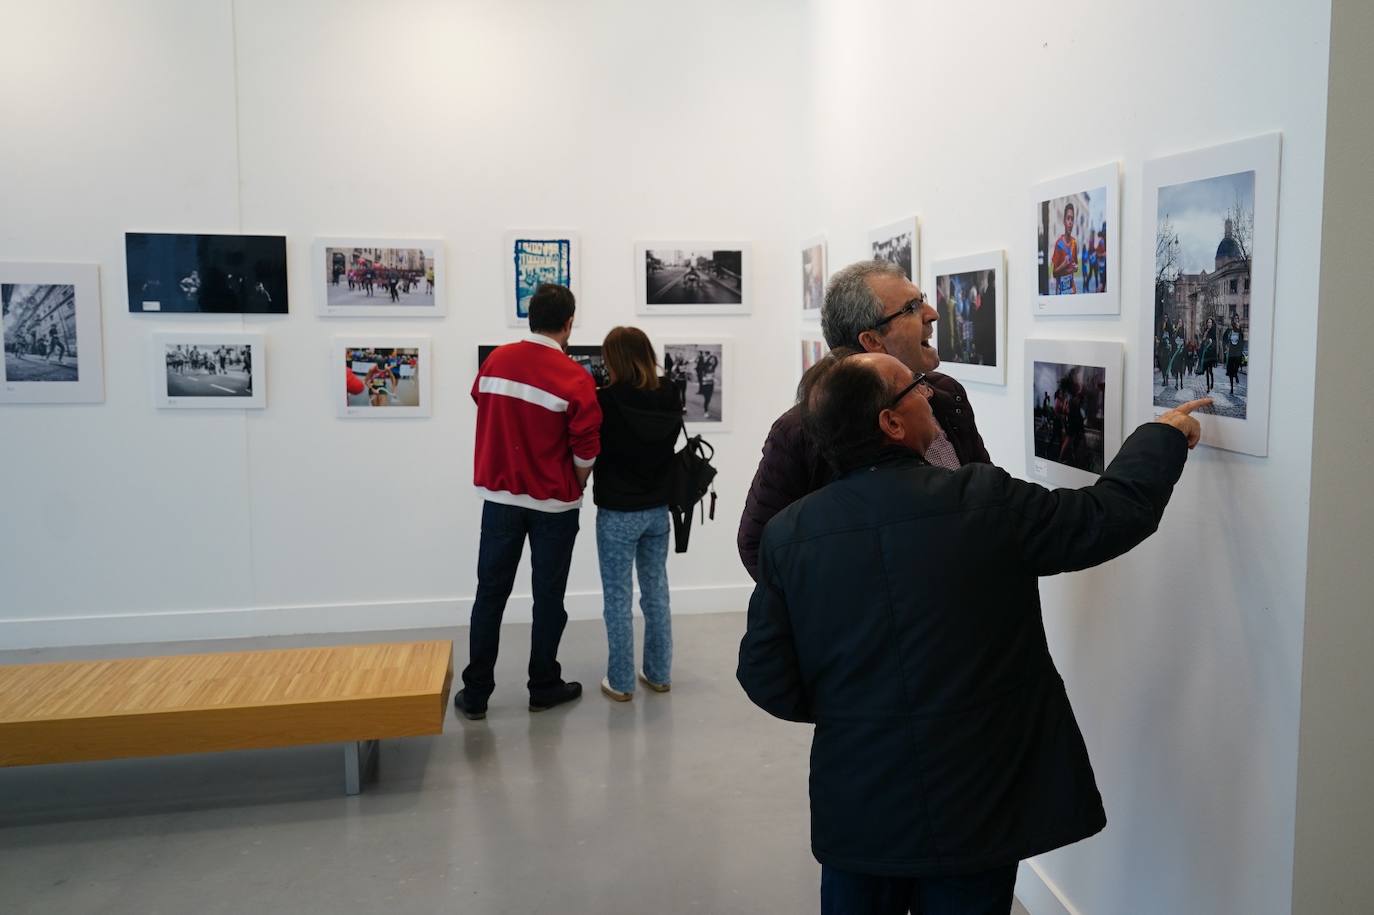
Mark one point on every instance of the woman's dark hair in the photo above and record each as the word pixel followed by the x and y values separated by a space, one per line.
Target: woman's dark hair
pixel 630 358
pixel 841 412
pixel 550 308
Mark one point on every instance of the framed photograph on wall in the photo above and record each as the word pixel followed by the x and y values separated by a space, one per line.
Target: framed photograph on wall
pixel 701 369
pixel 1073 420
pixel 692 278
pixel 378 278
pixel 813 350
pixel 538 256
pixel 814 278
pixel 970 299
pixel 50 314
pixel 384 377
pixel 1210 227
pixel 1078 243
pixel 899 243
pixel 208 274
pixel 224 371
pixel 589 357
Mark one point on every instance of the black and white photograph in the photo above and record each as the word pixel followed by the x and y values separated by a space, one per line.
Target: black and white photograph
pixel 224 370
pixel 698 370
pixel 900 244
pixel 692 278
pixel 1074 413
pixel 379 278
pixel 1077 243
pixel 383 377
pixel 50 314
pixel 40 332
pixel 1211 229
pixel 589 357
pixel 195 370
pixel 210 274
pixel 814 278
pixel 969 296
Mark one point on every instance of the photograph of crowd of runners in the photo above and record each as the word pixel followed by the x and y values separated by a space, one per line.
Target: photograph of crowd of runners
pixel 361 277
pixel 202 370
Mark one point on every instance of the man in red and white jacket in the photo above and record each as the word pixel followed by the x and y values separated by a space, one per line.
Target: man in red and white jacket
pixel 538 435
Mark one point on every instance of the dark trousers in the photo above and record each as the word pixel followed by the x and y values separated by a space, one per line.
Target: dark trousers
pixel 985 893
pixel 504 529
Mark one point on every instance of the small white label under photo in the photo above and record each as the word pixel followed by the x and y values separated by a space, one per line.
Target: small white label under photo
pixel 152 306
pixel 1040 468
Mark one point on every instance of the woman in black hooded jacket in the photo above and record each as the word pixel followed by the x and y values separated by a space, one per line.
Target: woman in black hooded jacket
pixel 641 415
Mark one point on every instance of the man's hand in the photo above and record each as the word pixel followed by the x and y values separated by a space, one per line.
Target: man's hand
pixel 583 473
pixel 1180 419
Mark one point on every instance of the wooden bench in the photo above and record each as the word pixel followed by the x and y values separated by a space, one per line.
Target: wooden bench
pixel 356 695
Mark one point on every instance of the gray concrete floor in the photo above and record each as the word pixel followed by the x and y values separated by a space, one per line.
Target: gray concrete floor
pixel 687 802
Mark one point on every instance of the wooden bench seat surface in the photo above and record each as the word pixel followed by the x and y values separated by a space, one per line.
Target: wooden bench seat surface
pixel 78 710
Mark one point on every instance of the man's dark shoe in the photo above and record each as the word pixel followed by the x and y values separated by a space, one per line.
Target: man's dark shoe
pixel 567 692
pixel 469 710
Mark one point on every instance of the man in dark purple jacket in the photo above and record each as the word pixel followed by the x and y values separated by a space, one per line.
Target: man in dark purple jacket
pixel 869 306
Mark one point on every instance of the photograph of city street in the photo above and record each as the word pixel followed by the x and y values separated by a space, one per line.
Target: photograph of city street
pixel 208 370
pixel 363 278
pixel 535 260
pixel 589 357
pixel 1073 244
pixel 813 278
pixel 966 308
pixel 1203 247
pixel 40 332
pixel 695 368
pixel 222 274
pixel 1068 405
pixel 896 244
pixel 382 377
pixel 693 277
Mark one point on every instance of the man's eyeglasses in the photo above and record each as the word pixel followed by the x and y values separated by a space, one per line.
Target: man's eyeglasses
pixel 916 382
pixel 911 307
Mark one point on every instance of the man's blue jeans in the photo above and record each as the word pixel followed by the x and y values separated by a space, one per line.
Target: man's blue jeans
pixel 628 541
pixel 504 528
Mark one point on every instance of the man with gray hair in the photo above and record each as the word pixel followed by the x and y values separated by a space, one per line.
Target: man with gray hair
pixel 870 306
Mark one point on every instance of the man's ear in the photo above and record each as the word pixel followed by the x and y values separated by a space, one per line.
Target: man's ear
pixel 567 327
pixel 892 426
pixel 871 342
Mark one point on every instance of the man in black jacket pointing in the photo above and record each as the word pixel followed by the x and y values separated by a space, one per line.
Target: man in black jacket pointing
pixel 897 608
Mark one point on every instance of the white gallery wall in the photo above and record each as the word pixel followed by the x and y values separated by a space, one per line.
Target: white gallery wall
pixel 1183 658
pixel 769 121
pixel 410 119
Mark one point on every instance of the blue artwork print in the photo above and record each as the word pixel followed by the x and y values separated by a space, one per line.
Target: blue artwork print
pixel 539 260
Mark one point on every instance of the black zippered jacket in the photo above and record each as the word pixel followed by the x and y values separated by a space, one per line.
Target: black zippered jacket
pixel 638 431
pixel 898 609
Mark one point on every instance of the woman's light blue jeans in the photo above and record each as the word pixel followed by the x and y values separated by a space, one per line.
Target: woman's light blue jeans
pixel 626 541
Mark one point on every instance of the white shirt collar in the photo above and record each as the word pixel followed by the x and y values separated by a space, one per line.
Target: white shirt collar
pixel 543 341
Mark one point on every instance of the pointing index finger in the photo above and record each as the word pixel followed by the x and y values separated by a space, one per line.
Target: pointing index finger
pixel 1192 405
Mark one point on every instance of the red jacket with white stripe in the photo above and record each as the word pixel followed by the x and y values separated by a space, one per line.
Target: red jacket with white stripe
pixel 537 417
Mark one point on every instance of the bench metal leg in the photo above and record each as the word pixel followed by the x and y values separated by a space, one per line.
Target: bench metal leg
pixel 360 764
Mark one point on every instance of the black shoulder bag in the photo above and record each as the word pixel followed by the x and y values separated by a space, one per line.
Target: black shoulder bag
pixel 689 479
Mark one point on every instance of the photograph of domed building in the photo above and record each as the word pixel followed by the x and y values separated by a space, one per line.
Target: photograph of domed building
pixel 1203 258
